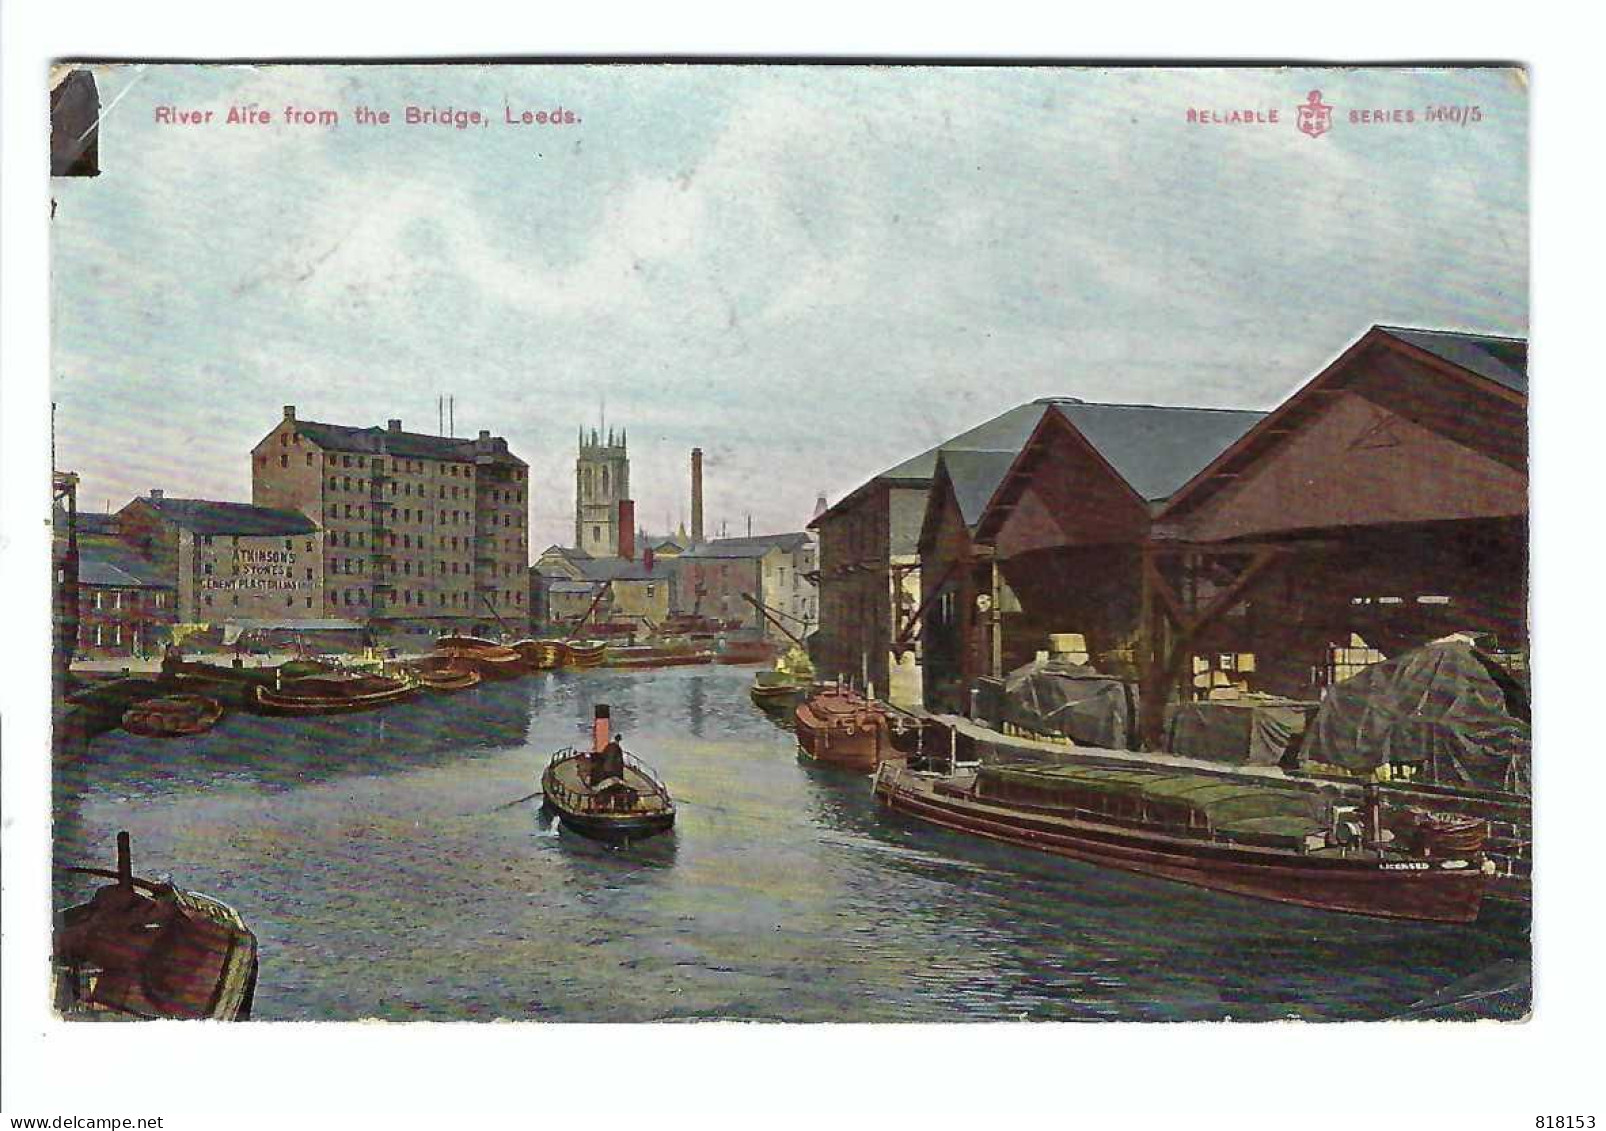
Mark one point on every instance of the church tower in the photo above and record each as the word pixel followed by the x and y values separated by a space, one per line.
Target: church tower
pixel 601 483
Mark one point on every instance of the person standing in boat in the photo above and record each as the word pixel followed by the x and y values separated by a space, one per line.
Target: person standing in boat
pixel 609 762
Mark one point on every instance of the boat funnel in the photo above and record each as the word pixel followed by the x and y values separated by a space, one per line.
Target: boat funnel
pixel 601 728
pixel 125 861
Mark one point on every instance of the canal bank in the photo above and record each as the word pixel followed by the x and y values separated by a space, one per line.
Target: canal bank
pixel 386 876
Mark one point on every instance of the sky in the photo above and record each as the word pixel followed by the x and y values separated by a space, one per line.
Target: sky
pixel 810 272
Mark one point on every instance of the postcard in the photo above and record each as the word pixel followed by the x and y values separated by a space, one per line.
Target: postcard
pixel 790 542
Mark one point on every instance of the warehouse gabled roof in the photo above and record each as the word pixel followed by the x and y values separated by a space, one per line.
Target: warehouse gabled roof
pixel 96 522
pixel 204 516
pixel 1005 432
pixel 1484 379
pixel 1152 449
pixel 974 477
pixel 1158 448
pixel 1502 360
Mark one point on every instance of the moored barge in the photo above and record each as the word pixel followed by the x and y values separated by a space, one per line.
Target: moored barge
pixel 775 690
pixel 331 694
pixel 584 653
pixel 838 726
pixel 1281 844
pixel 539 655
pixel 490 659
pixel 655 656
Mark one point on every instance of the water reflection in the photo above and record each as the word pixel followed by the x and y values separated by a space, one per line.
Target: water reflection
pixel 387 874
pixel 696 706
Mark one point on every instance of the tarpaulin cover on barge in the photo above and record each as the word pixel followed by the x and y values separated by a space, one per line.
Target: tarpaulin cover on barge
pixel 1445 707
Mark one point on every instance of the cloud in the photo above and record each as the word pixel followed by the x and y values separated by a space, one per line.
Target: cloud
pixel 813 272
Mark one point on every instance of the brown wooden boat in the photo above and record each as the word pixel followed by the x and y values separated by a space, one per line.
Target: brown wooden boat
pixel 460 640
pixel 584 653
pixel 655 656
pixel 172 716
pixel 1269 842
pixel 491 661
pixel 443 674
pixel 840 727
pixel 146 949
pixel 539 655
pixel 746 652
pixel 606 793
pixel 331 694
pixel 775 690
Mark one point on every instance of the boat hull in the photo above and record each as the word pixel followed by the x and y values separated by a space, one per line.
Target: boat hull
pixel 267 701
pixel 567 795
pixel 862 752
pixel 584 655
pixel 1400 890
pixel 777 698
pixel 612 829
pixel 447 680
pixel 656 659
pixel 173 716
pixel 853 736
pixel 201 962
pixel 746 652
pixel 539 655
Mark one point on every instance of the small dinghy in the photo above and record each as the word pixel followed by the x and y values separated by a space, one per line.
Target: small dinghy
pixel 606 794
pixel 781 688
pixel 172 716
pixel 443 675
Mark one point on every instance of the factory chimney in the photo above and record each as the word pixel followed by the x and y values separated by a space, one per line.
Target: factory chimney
pixel 696 495
pixel 627 529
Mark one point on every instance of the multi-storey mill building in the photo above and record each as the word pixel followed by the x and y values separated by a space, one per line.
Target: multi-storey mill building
pixel 422 533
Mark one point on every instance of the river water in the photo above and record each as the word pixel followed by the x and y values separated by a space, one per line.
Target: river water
pixel 386 876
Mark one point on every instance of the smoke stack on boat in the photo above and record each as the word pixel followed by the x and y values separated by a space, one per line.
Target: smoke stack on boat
pixel 125 862
pixel 605 793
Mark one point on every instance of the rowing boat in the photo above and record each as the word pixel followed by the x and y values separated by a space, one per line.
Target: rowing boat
pixel 147 949
pixel 172 716
pixel 443 674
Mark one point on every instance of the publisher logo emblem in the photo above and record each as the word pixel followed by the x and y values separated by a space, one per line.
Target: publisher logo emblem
pixel 1315 117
